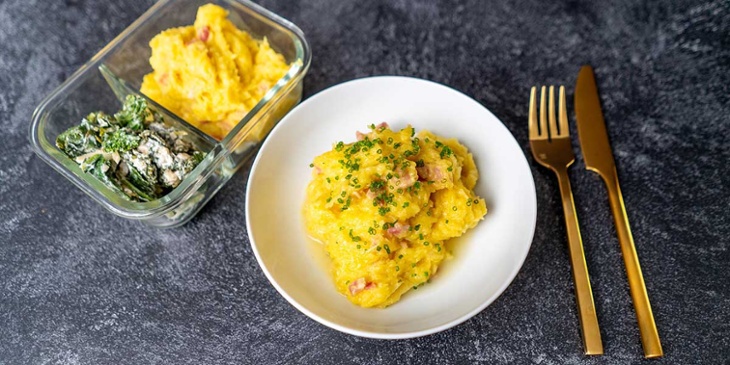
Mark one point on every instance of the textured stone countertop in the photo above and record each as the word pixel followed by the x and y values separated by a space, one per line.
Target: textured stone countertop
pixel 79 285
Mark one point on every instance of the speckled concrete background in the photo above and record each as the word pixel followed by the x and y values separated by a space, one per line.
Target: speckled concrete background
pixel 81 286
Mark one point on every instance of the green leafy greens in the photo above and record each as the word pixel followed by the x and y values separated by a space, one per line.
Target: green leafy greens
pixel 132 151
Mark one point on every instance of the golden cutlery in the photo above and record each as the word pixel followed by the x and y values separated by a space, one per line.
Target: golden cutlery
pixel 599 158
pixel 551 147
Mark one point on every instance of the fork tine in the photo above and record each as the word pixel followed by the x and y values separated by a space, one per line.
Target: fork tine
pixel 543 114
pixel 551 115
pixel 532 119
pixel 564 129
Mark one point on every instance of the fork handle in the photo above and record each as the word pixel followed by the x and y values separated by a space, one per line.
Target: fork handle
pixel 583 293
pixel 645 317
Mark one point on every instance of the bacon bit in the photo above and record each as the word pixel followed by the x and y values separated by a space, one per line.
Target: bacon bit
pixel 204 33
pixel 317 170
pixel 163 79
pixel 398 229
pixel 370 286
pixel 406 178
pixel 358 286
pixel 382 125
pixel 360 136
pixel 370 194
pixel 431 173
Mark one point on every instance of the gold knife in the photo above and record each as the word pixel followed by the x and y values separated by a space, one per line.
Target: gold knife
pixel 599 158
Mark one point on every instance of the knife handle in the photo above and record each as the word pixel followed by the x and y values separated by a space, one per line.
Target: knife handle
pixel 645 317
pixel 592 343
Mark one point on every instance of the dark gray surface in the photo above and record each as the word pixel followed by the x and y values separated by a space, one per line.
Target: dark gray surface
pixel 81 286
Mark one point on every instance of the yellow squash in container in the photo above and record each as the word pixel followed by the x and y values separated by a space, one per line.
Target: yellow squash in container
pixel 212 73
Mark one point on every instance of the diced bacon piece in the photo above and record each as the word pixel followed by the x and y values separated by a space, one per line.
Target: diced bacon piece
pixel 382 125
pixel 360 136
pixel 204 33
pixel 371 194
pixel 398 230
pixel 317 170
pixel 360 285
pixel 405 178
pixel 163 79
pixel 432 172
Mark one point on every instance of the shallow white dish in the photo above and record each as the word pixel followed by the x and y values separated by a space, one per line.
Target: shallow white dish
pixel 486 259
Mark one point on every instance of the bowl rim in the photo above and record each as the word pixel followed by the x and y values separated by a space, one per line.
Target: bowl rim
pixel 373 334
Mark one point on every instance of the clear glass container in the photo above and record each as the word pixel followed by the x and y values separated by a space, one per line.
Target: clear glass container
pixel 117 70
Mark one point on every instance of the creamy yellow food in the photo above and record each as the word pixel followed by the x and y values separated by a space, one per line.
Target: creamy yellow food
pixel 211 73
pixel 385 206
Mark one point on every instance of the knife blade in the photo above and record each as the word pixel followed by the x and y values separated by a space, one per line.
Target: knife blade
pixel 598 157
pixel 591 126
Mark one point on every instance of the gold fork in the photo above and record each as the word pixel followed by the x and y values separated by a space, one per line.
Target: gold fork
pixel 551 147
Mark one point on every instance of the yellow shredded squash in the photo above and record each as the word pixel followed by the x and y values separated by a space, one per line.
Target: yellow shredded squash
pixel 385 206
pixel 211 73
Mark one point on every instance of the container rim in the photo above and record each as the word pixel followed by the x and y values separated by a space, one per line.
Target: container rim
pixel 114 202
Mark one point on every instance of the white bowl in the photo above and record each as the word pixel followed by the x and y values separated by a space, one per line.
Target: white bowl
pixel 486 259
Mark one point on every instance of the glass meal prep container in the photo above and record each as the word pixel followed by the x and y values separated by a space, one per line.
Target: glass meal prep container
pixel 117 70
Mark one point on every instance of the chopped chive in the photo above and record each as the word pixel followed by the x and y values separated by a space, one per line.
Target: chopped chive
pixel 445 152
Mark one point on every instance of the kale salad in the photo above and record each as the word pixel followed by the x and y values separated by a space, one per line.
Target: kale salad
pixel 131 151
